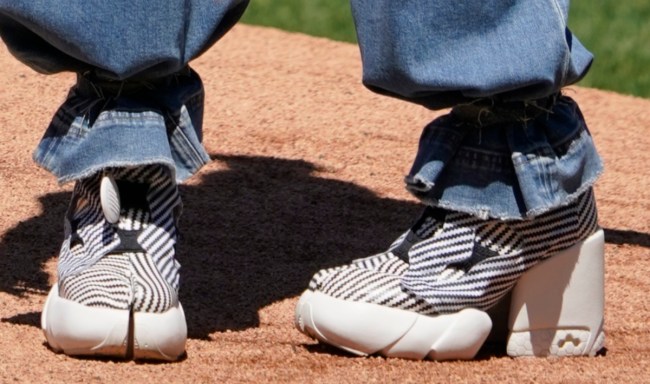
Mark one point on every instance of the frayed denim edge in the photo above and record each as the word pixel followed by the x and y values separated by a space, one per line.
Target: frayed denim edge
pixel 64 179
pixel 485 213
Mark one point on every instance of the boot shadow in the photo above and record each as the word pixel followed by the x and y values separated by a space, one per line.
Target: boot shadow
pixel 25 248
pixel 255 233
pixel 252 234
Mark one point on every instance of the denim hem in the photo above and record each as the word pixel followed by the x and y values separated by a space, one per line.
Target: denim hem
pixel 488 213
pixel 511 171
pixel 568 199
pixel 95 129
pixel 94 169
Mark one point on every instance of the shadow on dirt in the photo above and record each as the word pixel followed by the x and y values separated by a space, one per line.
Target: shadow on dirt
pixel 617 236
pixel 252 234
pixel 25 248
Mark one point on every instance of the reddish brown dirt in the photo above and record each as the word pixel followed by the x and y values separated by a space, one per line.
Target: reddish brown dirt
pixel 307 173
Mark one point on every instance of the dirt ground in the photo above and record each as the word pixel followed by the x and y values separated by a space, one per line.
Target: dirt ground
pixel 307 173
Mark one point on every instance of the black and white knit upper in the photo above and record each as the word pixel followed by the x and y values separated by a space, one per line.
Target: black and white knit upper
pixel 129 263
pixel 450 260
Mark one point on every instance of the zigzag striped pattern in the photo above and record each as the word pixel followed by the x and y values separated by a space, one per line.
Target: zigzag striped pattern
pixel 460 261
pixel 93 268
pixel 390 261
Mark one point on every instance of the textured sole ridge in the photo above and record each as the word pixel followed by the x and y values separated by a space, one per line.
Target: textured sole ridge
pixel 557 307
pixel 364 329
pixel 79 330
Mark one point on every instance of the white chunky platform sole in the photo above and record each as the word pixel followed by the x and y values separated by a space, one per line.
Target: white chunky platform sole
pixel 364 328
pixel 556 309
pixel 557 306
pixel 76 329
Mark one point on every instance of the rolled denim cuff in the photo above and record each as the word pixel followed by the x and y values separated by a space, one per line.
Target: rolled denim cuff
pixel 440 53
pixel 515 169
pixel 119 124
pixel 123 39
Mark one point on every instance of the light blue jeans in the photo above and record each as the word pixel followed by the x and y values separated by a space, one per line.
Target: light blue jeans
pixel 136 100
pixel 512 148
pixel 443 53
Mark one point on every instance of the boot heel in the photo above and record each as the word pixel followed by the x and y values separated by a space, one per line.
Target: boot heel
pixel 557 306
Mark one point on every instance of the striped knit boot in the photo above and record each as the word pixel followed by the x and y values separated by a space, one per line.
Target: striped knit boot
pixel 427 295
pixel 117 293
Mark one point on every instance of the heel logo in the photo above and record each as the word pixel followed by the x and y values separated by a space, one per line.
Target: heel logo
pixel 569 345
